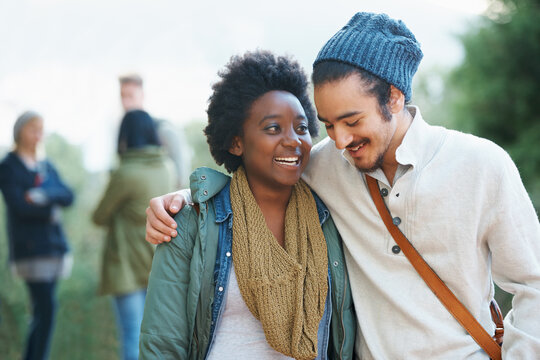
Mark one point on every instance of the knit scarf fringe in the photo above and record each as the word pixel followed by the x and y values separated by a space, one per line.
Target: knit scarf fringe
pixel 284 288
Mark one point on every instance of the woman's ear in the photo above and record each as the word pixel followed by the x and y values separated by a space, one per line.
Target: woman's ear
pixel 237 147
pixel 396 103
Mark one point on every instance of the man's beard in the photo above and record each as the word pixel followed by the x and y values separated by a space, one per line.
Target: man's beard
pixel 377 165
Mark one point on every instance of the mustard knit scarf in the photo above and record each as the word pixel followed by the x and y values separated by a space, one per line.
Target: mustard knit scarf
pixel 284 288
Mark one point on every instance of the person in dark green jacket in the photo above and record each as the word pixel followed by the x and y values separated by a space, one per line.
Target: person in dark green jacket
pixel 144 172
pixel 257 270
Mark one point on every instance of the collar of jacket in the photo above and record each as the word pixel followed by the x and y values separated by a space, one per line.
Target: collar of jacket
pixel 207 183
pixel 145 153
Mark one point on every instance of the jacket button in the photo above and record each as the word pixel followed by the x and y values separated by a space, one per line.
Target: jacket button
pixel 228 254
pixel 205 192
pixel 384 192
pixel 220 288
pixel 396 249
pixel 396 221
pixel 203 177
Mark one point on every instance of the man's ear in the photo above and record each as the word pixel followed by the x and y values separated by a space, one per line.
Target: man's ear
pixel 237 147
pixel 396 102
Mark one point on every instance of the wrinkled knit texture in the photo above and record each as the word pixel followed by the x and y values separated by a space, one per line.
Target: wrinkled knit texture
pixel 284 288
pixel 378 44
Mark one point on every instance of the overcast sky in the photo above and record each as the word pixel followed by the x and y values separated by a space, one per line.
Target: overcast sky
pixel 63 57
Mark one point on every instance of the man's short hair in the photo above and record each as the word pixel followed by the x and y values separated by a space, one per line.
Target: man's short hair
pixel 131 79
pixel 331 70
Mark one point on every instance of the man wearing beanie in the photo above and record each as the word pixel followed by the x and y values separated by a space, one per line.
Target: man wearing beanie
pixel 457 198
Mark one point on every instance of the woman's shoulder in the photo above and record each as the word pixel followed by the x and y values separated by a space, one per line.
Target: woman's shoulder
pixel 4 165
pixel 187 221
pixel 4 170
pixel 11 167
pixel 8 160
pixel 205 183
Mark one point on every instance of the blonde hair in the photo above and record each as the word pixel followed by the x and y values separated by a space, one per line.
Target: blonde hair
pixel 22 120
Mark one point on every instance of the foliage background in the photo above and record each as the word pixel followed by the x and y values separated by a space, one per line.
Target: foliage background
pixel 493 93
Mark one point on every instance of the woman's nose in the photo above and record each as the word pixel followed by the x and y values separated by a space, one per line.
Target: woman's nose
pixel 291 138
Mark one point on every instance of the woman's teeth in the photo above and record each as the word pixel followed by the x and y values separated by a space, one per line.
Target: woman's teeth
pixel 287 160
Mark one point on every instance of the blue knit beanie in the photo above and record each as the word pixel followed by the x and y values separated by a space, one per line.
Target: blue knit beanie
pixel 378 44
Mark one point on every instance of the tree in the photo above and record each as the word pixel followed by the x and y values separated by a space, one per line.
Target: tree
pixel 494 93
pixel 197 141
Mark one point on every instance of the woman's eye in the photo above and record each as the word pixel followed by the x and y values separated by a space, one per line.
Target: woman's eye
pixel 328 126
pixel 272 128
pixel 351 124
pixel 302 129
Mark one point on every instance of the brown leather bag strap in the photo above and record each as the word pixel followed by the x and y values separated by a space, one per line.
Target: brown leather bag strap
pixel 439 288
pixel 496 316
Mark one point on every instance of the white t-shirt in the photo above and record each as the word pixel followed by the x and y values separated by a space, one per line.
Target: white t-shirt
pixel 239 335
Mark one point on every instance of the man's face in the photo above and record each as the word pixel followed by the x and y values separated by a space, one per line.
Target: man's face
pixel 353 119
pixel 132 96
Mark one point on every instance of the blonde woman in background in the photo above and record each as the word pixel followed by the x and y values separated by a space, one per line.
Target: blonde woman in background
pixel 38 250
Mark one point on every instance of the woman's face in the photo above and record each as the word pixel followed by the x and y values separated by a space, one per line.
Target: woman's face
pixel 275 143
pixel 31 134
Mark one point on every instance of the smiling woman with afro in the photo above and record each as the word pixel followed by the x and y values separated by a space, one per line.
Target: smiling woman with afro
pixel 245 79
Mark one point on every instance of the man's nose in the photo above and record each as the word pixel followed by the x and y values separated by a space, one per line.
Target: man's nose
pixel 342 137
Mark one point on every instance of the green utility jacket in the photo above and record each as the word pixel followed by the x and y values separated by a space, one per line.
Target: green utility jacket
pixel 178 311
pixel 127 257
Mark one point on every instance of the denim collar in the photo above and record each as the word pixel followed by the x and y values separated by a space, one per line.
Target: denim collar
pixel 222 203
pixel 324 214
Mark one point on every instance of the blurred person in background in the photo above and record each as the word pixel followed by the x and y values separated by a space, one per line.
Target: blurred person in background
pixel 38 250
pixel 144 172
pixel 171 138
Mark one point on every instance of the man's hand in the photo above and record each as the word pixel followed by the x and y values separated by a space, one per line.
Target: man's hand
pixel 160 226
